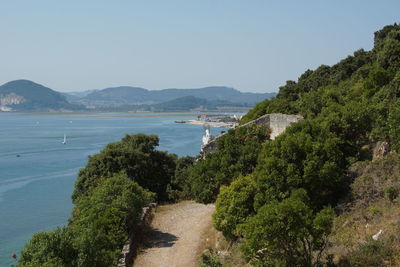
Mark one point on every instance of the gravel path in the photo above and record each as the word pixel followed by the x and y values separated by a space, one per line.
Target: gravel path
pixel 177 234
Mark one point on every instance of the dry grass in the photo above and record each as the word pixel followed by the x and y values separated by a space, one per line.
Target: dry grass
pixel 228 252
pixel 370 211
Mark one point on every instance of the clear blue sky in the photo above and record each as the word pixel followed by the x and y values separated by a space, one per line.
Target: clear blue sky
pixel 252 45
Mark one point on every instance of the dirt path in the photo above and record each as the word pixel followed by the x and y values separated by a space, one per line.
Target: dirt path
pixel 176 236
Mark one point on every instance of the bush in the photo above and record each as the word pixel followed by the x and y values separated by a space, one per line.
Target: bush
pixel 287 233
pixel 101 223
pixel 391 193
pixel 49 249
pixel 134 155
pixel 210 259
pixel 306 156
pixel 233 206
pixel 179 188
pixel 374 253
pixel 236 155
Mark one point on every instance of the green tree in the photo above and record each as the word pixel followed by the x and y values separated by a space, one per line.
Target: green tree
pixel 103 221
pixel 50 249
pixel 236 155
pixel 100 225
pixel 305 156
pixel 137 157
pixel 179 188
pixel 394 126
pixel 234 205
pixel 287 233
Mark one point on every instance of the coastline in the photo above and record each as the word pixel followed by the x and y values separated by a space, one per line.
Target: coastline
pixel 218 124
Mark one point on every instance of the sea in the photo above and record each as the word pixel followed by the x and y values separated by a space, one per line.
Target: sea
pixel 38 171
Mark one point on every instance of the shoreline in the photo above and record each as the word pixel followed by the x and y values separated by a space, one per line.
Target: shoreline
pixel 218 124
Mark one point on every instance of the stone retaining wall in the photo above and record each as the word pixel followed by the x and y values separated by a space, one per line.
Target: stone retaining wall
pixel 129 248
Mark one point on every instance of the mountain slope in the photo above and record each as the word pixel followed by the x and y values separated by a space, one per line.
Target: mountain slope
pixel 21 95
pixel 126 95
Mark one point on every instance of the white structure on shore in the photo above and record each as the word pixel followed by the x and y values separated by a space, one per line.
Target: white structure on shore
pixel 207 135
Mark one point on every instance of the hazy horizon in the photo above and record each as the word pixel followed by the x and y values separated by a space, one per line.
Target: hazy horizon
pixel 252 46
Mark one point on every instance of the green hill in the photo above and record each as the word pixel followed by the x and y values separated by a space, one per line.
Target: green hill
pixel 129 96
pixel 325 192
pixel 24 95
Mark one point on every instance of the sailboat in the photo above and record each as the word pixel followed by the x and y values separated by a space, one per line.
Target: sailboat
pixel 65 139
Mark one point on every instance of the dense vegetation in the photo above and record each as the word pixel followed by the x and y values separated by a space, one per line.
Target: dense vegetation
pixel 236 155
pixel 109 195
pixel 100 224
pixel 311 197
pixel 281 212
pixel 137 157
pixel 126 95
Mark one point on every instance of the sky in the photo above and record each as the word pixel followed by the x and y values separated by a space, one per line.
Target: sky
pixel 251 45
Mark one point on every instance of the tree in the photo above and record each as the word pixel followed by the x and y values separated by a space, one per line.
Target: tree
pixel 137 157
pixel 103 221
pixel 234 205
pixel 50 249
pixel 287 233
pixel 394 123
pixel 236 155
pixel 100 225
pixel 305 156
pixel 179 188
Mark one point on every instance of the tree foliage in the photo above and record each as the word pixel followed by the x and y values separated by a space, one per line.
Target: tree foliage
pixel 236 155
pixel 348 107
pixel 103 220
pixel 50 249
pixel 101 223
pixel 287 233
pixel 137 157
pixel 179 187
pixel 234 206
pixel 306 156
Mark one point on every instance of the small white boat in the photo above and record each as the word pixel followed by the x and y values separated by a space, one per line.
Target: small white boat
pixel 65 139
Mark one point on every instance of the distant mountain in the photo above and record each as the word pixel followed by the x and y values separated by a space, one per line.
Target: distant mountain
pixel 126 95
pixel 195 103
pixel 74 96
pixel 24 95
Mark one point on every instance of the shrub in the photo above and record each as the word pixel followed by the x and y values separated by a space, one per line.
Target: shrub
pixel 103 221
pixel 237 155
pixel 306 156
pixel 179 188
pixel 374 253
pixel 391 193
pixel 134 155
pixel 233 206
pixel 210 259
pixel 49 249
pixel 287 233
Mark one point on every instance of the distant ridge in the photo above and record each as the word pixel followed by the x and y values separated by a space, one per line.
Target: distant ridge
pixel 25 95
pixel 127 95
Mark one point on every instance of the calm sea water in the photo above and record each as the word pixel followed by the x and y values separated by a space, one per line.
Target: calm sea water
pixel 36 187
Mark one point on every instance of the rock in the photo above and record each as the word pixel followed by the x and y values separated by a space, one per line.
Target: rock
pixel 380 150
pixel 376 236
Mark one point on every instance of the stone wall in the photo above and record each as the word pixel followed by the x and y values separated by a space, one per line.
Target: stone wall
pixel 129 248
pixel 276 122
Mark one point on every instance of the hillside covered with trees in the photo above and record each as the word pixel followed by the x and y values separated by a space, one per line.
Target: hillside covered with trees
pixel 317 195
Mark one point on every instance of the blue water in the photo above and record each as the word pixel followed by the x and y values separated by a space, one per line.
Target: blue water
pixel 35 188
